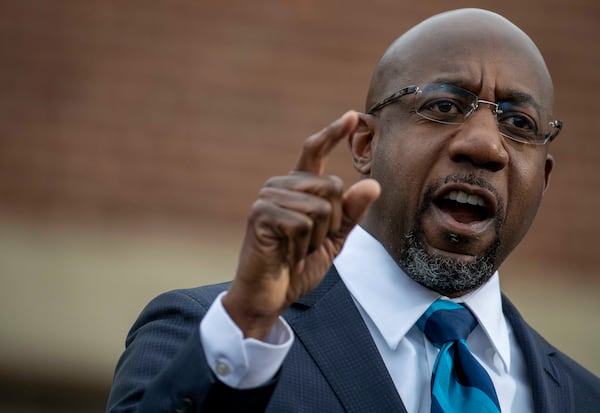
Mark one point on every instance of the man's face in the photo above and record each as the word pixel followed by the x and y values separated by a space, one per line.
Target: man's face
pixel 456 199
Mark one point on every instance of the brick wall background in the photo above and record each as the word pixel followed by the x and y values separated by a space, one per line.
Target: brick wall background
pixel 133 114
pixel 177 110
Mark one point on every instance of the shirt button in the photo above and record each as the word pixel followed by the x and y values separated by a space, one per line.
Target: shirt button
pixel 222 368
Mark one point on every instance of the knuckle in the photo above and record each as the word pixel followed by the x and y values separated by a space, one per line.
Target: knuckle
pixel 323 210
pixel 272 182
pixel 301 227
pixel 330 187
pixel 259 208
pixel 337 185
pixel 308 145
pixel 312 143
pixel 265 192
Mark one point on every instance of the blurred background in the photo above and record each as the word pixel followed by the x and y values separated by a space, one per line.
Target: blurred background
pixel 135 134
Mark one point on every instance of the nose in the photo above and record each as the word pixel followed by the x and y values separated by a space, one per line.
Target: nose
pixel 479 142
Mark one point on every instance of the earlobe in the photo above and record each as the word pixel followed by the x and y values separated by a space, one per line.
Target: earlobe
pixel 548 170
pixel 362 142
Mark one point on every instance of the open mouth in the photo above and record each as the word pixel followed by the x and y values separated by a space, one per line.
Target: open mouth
pixel 462 217
pixel 465 207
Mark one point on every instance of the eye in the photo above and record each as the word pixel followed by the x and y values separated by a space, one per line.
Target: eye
pixel 519 126
pixel 442 109
pixel 446 106
pixel 518 121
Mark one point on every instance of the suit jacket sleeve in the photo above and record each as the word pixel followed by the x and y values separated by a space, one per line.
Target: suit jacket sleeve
pixel 163 368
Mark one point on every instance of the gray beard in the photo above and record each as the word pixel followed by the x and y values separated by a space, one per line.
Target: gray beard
pixel 446 275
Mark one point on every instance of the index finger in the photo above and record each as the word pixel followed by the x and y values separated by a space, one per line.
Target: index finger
pixel 316 148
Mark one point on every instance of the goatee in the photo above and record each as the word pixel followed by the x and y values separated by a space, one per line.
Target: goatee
pixel 447 275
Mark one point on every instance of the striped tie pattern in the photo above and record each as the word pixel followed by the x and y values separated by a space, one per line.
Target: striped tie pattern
pixel 459 384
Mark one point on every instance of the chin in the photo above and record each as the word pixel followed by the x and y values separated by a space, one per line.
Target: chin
pixel 449 272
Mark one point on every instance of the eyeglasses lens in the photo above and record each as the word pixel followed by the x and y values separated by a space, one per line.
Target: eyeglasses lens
pixel 449 104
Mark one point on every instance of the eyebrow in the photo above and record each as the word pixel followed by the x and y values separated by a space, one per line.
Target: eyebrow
pixel 512 96
pixel 521 98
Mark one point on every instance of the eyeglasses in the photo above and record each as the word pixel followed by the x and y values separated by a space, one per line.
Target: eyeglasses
pixel 449 104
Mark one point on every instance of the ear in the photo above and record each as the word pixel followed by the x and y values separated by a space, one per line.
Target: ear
pixel 548 170
pixel 362 142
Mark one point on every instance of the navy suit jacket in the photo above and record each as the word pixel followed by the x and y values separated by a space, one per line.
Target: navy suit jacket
pixel 333 365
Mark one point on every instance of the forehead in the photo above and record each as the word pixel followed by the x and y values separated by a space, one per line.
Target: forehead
pixel 495 61
pixel 491 74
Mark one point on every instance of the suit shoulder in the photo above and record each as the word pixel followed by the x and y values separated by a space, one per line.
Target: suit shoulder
pixel 586 383
pixel 560 367
pixel 203 296
pixel 187 305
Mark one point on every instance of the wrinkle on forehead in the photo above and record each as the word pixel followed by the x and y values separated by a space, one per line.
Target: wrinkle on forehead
pixel 478 48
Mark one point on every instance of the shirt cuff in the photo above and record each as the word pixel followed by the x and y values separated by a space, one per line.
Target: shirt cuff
pixel 238 362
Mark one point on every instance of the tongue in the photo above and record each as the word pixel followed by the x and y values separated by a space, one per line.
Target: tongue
pixel 463 213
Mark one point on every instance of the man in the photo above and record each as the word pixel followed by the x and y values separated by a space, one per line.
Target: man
pixel 453 153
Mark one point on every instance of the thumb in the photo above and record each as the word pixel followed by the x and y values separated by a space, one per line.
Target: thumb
pixel 355 202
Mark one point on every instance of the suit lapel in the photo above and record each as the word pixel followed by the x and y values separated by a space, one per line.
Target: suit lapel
pixel 551 391
pixel 328 324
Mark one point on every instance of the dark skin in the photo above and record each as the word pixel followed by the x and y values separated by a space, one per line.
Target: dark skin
pixel 296 228
pixel 300 221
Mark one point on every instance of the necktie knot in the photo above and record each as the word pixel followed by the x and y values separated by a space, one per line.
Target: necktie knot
pixel 446 321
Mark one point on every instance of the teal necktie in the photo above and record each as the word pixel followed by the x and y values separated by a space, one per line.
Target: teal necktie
pixel 459 384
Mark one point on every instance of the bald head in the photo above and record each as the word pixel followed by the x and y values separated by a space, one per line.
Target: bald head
pixel 464 43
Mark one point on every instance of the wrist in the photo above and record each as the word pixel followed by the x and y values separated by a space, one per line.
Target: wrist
pixel 252 320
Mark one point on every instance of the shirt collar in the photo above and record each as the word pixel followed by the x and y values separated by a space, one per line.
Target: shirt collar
pixel 394 302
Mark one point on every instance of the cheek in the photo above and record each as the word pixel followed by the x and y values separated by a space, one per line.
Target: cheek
pixel 401 165
pixel 389 170
pixel 525 190
pixel 406 153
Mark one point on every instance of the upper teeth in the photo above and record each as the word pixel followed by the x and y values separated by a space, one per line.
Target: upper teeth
pixel 464 198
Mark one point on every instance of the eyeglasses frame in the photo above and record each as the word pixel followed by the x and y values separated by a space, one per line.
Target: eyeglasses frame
pixel 556 124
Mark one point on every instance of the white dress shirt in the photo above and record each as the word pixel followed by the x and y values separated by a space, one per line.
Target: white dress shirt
pixel 390 303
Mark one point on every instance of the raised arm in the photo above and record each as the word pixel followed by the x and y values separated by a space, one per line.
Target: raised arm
pixel 295 229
